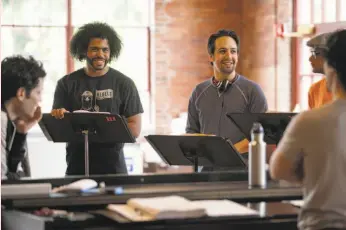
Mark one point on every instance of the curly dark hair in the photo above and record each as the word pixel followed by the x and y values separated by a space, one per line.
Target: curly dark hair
pixel 335 54
pixel 80 40
pixel 18 71
pixel 222 33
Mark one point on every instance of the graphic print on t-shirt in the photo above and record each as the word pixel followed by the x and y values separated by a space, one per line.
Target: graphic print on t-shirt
pixel 87 99
pixel 104 94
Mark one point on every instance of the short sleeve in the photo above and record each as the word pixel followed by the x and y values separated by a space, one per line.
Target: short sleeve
pixel 292 142
pixel 60 96
pixel 132 104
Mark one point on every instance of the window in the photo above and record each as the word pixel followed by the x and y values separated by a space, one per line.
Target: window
pixel 39 28
pixel 125 13
pixel 304 13
pixel 329 10
pixel 317 11
pixel 34 12
pixel 342 10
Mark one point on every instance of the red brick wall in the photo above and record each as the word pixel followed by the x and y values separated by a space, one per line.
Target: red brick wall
pixel 182 28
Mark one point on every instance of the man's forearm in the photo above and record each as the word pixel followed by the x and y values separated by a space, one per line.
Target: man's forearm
pixel 134 128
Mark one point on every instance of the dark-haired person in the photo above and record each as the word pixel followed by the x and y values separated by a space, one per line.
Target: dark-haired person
pixel 318 94
pixel 313 149
pixel 97 88
pixel 21 87
pixel 225 92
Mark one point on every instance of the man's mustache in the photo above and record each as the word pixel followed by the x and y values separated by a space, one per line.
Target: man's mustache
pixel 98 59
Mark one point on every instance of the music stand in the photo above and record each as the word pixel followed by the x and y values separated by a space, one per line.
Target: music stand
pixel 86 127
pixel 197 151
pixel 274 124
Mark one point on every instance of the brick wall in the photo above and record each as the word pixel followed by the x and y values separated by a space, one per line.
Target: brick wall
pixel 182 28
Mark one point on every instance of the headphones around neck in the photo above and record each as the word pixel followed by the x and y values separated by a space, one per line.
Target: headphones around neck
pixel 223 85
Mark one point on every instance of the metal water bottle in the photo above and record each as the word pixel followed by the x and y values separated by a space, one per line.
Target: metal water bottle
pixel 257 157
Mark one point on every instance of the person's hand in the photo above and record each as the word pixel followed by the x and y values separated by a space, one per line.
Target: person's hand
pixel 24 125
pixel 242 146
pixel 58 113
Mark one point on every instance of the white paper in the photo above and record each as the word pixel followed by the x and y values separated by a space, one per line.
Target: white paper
pixel 298 203
pixel 158 204
pixel 129 213
pixel 85 111
pixel 215 208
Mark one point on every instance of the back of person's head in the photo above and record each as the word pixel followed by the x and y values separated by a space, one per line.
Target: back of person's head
pixel 335 54
pixel 222 33
pixel 81 39
pixel 19 72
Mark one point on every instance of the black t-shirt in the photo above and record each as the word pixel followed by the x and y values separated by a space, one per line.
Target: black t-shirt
pixel 113 92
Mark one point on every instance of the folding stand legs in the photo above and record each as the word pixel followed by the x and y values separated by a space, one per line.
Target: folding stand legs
pixel 86 150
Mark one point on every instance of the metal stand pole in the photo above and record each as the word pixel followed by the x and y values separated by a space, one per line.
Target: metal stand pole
pixel 86 150
pixel 196 164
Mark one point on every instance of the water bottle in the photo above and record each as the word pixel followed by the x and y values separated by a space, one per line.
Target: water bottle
pixel 257 157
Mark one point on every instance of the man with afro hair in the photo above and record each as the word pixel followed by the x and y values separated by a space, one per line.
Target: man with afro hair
pixel 97 88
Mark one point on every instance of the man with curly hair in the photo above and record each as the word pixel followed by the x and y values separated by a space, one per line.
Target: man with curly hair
pixel 97 88
pixel 21 87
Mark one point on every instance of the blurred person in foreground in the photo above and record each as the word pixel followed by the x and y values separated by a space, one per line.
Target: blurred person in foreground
pixel 312 151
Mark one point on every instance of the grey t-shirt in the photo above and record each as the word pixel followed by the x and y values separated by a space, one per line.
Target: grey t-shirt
pixel 207 109
pixel 318 138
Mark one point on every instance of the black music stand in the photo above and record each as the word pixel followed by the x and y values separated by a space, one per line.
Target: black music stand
pixel 86 127
pixel 274 124
pixel 197 151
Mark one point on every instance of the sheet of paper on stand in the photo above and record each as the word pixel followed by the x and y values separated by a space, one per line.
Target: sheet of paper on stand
pixel 85 111
pixel 79 185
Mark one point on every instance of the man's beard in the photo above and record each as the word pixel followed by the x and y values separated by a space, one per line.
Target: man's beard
pixel 91 63
pixel 227 70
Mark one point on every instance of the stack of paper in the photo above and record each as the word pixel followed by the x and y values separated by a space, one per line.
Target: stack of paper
pixel 176 207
